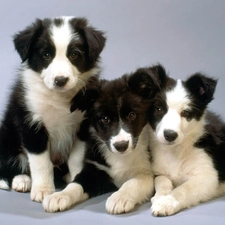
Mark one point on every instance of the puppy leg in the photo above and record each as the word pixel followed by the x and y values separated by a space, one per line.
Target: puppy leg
pixel 134 191
pixel 60 201
pixel 190 193
pixel 75 161
pixel 42 176
pixel 163 186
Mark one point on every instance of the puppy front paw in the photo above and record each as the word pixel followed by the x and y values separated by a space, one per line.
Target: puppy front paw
pixel 38 193
pixel 57 201
pixel 165 206
pixel 119 203
pixel 21 183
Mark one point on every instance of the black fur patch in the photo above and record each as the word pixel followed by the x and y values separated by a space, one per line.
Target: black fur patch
pixel 213 142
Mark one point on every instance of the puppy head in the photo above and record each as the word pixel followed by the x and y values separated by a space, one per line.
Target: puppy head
pixel 178 110
pixel 118 109
pixel 63 51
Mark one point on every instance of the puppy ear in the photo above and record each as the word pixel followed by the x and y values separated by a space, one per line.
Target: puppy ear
pixel 201 87
pixel 86 97
pixel 94 38
pixel 24 39
pixel 148 81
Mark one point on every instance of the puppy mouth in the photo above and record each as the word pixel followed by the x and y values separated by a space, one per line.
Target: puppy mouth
pixel 128 151
pixel 169 143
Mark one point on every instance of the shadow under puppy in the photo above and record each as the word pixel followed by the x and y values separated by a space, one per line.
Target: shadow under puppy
pixel 38 130
pixel 115 137
pixel 188 145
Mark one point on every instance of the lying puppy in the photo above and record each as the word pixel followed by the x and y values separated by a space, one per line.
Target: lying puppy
pixel 59 56
pixel 115 136
pixel 188 146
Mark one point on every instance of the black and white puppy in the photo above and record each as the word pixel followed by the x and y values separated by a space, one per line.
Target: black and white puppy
pixel 188 145
pixel 115 135
pixel 38 130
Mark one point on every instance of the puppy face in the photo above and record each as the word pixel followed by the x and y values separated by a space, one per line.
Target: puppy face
pixel 178 109
pixel 63 51
pixel 118 120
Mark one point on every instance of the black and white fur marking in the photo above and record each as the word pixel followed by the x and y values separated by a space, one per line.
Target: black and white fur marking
pixel 59 56
pixel 188 146
pixel 116 140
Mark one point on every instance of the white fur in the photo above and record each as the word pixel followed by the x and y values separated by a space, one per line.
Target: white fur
pixel 42 175
pixel 126 166
pixel 186 174
pixel 177 101
pixel 131 173
pixel 4 185
pixel 75 161
pixel 61 66
pixel 60 201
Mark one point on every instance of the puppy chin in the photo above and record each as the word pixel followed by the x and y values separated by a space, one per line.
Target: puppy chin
pixel 128 151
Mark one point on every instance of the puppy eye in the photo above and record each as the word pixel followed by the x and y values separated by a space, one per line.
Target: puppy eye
pixel 47 56
pixel 131 116
pixel 185 113
pixel 105 120
pixel 159 110
pixel 74 55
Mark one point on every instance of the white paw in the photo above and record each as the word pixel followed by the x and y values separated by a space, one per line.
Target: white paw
pixel 156 197
pixel 153 199
pixel 119 203
pixel 21 183
pixel 58 201
pixel 165 206
pixel 38 193
pixel 4 185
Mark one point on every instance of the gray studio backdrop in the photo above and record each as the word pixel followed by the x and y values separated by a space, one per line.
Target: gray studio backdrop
pixel 186 36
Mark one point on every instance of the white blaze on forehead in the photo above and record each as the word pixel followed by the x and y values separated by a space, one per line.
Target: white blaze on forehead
pixel 121 136
pixel 177 97
pixel 177 100
pixel 62 35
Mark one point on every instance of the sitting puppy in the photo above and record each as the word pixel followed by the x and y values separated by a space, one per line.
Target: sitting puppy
pixel 115 137
pixel 188 145
pixel 59 56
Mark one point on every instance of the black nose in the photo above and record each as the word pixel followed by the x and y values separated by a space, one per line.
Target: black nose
pixel 60 81
pixel 121 146
pixel 170 135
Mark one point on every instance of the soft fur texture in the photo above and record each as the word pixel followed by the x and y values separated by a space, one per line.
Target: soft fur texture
pixel 59 56
pixel 115 137
pixel 187 144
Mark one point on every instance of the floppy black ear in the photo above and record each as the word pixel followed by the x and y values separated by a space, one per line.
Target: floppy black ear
pixel 201 87
pixel 24 39
pixel 148 81
pixel 86 97
pixel 95 38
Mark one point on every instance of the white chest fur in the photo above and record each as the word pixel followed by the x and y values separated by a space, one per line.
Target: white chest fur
pixel 180 162
pixel 124 167
pixel 52 109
